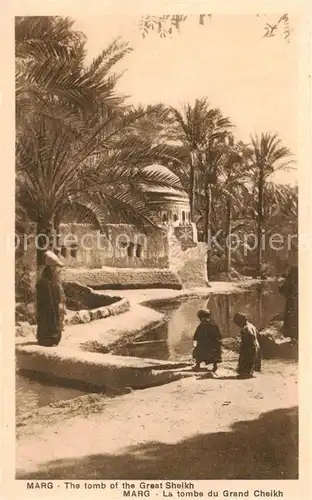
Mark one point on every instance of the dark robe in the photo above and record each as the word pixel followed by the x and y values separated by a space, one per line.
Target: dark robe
pixel 249 354
pixel 208 348
pixel 49 312
pixel 290 290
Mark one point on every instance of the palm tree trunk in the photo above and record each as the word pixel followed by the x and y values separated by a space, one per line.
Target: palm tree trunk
pixel 228 232
pixel 260 306
pixel 260 221
pixel 40 241
pixel 44 238
pixel 208 226
pixel 57 221
pixel 228 314
pixel 192 185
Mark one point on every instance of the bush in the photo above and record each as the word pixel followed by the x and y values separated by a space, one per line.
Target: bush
pixel 26 312
pixel 24 292
pixel 79 296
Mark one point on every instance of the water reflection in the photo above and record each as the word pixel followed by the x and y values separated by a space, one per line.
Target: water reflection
pixel 171 341
pixel 32 394
pixel 261 304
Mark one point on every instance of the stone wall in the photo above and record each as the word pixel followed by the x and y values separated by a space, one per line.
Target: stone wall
pixel 29 329
pixel 171 211
pixel 186 258
pixel 92 369
pixel 125 257
pixel 79 296
pixel 121 278
pixel 87 315
pixel 119 245
pixel 186 235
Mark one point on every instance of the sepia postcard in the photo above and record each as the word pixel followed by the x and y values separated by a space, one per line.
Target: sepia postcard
pixel 156 249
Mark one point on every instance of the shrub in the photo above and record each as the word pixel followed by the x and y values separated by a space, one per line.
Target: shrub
pixel 24 291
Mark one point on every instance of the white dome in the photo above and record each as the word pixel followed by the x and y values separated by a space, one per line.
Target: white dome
pixel 155 168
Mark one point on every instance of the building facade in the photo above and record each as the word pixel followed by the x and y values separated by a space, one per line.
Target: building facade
pixel 170 206
pixel 172 246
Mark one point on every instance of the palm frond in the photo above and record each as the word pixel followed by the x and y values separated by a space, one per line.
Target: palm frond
pixel 109 57
pixel 83 210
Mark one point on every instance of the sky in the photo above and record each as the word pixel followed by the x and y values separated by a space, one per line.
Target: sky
pixel 252 79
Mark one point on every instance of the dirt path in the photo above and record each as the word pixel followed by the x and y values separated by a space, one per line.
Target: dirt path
pixel 190 429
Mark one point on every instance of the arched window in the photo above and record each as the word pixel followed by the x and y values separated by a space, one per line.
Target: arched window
pixel 73 250
pixel 130 250
pixel 165 217
pixel 183 217
pixel 138 251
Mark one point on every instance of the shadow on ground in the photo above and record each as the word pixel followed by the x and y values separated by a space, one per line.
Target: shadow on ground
pixel 28 342
pixel 265 448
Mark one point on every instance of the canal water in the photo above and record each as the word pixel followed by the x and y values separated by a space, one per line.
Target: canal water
pixel 32 393
pixel 173 339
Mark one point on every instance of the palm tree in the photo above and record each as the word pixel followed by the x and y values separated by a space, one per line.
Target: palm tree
pixel 281 215
pixel 229 189
pixel 58 169
pixel 50 66
pixel 76 144
pixel 232 188
pixel 267 155
pixel 281 200
pixel 199 129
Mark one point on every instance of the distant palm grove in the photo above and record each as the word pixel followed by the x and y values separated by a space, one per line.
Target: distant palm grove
pixel 81 148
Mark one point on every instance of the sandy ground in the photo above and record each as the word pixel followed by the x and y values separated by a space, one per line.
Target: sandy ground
pixel 195 428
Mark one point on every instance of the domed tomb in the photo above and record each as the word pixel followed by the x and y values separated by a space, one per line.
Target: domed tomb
pixel 170 205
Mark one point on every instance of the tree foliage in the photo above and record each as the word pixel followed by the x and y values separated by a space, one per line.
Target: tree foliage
pixel 78 143
pixel 166 25
pixel 81 148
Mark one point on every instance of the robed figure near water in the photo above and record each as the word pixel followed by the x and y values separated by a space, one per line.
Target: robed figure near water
pixel 50 302
pixel 249 353
pixel 207 338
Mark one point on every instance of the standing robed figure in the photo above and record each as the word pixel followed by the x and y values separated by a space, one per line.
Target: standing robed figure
pixel 207 339
pixel 249 354
pixel 50 302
